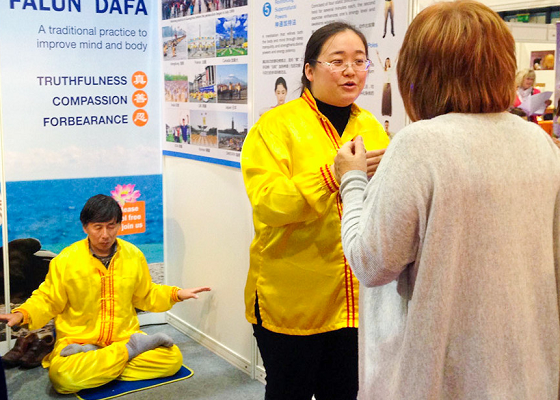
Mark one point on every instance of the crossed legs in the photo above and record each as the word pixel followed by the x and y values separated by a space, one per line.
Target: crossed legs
pixel 88 369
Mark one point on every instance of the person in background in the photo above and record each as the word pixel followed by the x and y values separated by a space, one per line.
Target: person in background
pixel 184 130
pixel 519 112
pixel 238 90
pixel 525 83
pixel 548 62
pixel 537 63
pixel 301 296
pixel 456 239
pixel 92 290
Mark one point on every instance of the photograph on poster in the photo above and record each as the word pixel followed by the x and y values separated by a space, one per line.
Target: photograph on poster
pixel 280 93
pixel 232 83
pixel 542 60
pixel 204 130
pixel 232 129
pixel 201 39
pixel 176 88
pixel 233 3
pixel 202 89
pixel 386 99
pixel 389 14
pixel 174 44
pixel 231 36
pixel 177 128
pixel 386 126
pixel 183 8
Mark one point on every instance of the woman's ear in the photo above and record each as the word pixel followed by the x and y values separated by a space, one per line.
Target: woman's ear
pixel 309 72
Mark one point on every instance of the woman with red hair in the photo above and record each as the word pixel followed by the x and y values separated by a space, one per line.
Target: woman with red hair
pixel 456 238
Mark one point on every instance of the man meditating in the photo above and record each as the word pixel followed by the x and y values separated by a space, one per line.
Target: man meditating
pixel 91 290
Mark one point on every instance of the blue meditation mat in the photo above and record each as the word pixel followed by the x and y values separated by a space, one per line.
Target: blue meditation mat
pixel 118 388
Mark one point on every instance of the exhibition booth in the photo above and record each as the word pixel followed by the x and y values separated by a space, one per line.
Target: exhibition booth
pixel 149 102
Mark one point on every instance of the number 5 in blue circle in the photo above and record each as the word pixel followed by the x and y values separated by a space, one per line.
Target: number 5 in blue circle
pixel 267 9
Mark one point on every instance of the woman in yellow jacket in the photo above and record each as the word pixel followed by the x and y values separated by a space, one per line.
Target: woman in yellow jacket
pixel 301 295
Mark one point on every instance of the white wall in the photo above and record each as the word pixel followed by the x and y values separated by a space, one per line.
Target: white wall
pixel 208 230
pixel 506 5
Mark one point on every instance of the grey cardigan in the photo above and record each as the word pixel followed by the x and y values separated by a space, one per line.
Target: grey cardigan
pixel 456 244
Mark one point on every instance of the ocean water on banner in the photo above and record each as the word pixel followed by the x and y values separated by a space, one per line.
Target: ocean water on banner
pixel 49 210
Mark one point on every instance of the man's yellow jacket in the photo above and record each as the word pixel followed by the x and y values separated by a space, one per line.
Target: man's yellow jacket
pixel 92 304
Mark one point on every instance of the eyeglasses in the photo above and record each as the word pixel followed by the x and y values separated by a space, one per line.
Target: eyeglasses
pixel 339 66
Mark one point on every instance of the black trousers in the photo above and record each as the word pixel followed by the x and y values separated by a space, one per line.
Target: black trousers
pixel 298 367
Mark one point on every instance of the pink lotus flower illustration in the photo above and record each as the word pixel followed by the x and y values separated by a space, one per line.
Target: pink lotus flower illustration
pixel 125 194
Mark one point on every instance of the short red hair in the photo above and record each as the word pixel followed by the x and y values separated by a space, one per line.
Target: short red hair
pixel 456 57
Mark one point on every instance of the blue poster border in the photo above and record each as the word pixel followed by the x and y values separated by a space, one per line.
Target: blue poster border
pixel 211 160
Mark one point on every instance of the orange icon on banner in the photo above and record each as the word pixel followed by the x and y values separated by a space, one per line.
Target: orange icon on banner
pixel 134 218
pixel 140 98
pixel 140 117
pixel 139 79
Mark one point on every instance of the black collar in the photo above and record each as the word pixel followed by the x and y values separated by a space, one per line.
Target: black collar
pixel 338 116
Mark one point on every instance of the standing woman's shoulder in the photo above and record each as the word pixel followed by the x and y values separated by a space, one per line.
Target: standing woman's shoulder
pixel 370 129
pixel 281 115
pixel 281 112
pixel 272 125
pixel 364 116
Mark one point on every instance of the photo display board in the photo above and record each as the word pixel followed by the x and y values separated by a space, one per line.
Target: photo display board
pixel 205 55
pixel 208 55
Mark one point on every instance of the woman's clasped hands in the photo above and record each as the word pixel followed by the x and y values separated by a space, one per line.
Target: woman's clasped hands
pixel 353 156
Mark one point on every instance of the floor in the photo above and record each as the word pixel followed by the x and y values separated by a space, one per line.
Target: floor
pixel 213 379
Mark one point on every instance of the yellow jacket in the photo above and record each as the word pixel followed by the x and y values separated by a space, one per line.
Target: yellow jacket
pixel 297 268
pixel 92 304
